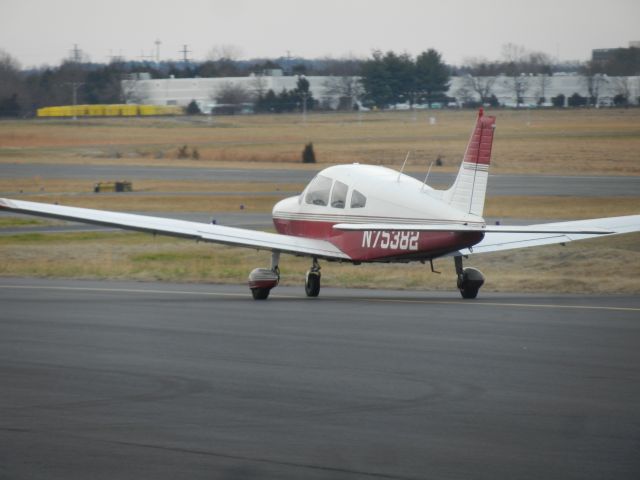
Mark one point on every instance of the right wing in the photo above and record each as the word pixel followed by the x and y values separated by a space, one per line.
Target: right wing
pixel 181 228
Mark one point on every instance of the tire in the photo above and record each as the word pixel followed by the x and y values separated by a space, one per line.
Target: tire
pixel 312 284
pixel 260 293
pixel 469 293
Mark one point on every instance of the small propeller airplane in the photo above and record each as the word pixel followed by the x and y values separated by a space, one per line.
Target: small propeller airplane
pixel 364 213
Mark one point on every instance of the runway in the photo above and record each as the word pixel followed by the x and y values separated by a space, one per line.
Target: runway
pixel 148 380
pixel 580 186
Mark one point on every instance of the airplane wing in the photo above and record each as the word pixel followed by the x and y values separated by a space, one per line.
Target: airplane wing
pixel 181 228
pixel 496 240
pixel 502 237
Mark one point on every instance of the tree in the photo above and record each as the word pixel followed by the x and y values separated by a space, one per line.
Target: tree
pixel 622 89
pixel 229 93
pixel 577 100
pixel 558 101
pixel 482 86
pixel 593 80
pixel 377 80
pixel 303 95
pixel 542 81
pixel 13 92
pixel 431 76
pixel 515 58
pixel 193 108
pixel 347 88
pixel 390 78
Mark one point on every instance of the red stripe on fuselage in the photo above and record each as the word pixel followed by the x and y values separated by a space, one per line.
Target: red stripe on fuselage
pixel 371 246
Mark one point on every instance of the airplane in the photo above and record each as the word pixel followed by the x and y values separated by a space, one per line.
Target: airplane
pixel 365 213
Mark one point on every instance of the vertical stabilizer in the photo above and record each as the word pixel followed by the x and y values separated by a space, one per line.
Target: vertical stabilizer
pixel 468 191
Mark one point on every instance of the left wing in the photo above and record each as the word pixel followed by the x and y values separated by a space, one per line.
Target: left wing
pixel 181 228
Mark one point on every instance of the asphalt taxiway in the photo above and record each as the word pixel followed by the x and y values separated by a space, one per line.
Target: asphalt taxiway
pixel 581 186
pixel 147 380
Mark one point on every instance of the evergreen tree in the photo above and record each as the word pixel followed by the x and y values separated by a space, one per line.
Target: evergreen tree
pixel 193 108
pixel 432 76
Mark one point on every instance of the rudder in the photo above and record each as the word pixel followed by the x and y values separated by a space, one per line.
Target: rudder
pixel 470 187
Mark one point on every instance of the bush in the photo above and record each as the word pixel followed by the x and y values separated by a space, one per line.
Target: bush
pixel 308 155
pixel 558 101
pixel 576 100
pixel 193 108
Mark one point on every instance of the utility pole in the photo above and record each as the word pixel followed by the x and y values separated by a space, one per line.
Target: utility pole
pixel 158 43
pixel 304 107
pixel 76 54
pixel 185 53
pixel 74 88
pixel 76 57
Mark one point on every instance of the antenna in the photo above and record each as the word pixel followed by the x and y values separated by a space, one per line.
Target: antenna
pixel 405 162
pixel 425 178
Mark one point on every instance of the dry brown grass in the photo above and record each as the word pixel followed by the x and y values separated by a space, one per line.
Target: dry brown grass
pixel 608 265
pixel 604 141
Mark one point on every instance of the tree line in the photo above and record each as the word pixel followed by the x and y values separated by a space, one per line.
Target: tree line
pixel 382 80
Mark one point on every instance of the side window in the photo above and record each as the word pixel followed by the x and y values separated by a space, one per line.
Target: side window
pixel 339 195
pixel 318 191
pixel 358 200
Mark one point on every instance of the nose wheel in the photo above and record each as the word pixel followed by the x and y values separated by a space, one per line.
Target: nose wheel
pixel 312 280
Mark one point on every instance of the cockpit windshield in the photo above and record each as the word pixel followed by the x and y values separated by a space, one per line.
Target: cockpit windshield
pixel 318 191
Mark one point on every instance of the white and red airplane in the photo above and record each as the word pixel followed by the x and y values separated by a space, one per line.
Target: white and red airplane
pixel 364 213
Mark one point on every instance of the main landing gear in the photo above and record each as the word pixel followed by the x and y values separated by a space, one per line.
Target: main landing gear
pixel 262 280
pixel 312 280
pixel 469 279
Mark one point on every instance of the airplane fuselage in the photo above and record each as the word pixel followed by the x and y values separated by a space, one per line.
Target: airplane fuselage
pixel 365 194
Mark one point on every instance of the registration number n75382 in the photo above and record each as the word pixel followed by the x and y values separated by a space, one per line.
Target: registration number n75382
pixel 391 240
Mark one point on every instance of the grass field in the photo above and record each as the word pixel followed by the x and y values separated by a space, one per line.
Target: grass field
pixel 597 142
pixel 592 142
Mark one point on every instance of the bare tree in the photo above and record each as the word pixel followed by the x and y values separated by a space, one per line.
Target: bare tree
pixel 515 58
pixel 622 90
pixel 347 88
pixel 593 80
pixel 542 80
pixel 465 95
pixel 13 92
pixel 224 52
pixel 230 93
pixel 134 90
pixel 259 86
pixel 482 86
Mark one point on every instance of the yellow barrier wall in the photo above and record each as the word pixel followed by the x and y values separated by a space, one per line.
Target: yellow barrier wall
pixel 110 110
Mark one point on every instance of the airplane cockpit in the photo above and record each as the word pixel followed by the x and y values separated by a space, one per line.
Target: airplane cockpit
pixel 324 191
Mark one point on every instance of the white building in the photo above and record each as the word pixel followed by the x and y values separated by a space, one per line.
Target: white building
pixel 181 91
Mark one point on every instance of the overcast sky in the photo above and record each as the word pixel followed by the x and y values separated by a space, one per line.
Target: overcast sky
pixel 38 32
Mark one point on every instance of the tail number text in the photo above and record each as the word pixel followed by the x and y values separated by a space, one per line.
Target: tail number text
pixel 392 240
